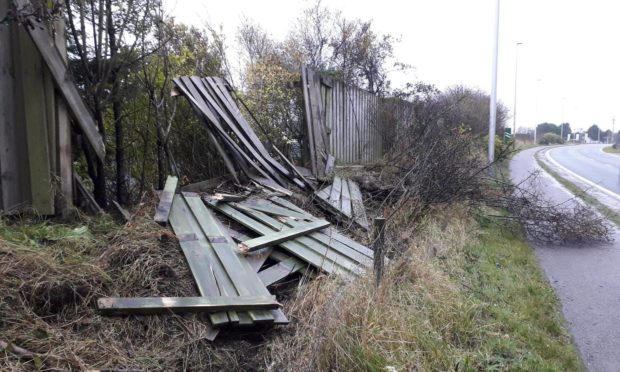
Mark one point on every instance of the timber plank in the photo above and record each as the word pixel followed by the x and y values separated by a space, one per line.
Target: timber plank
pixel 345 199
pixel 272 209
pixel 293 168
pixel 359 212
pixel 330 232
pixel 282 236
pixel 335 244
pixel 270 184
pixel 316 246
pixel 287 204
pixel 260 156
pixel 165 200
pixel 164 305
pixel 281 270
pixel 29 75
pixel 319 259
pixel 222 90
pixel 55 63
pixel 308 112
pixel 190 92
pixel 200 259
pixel 336 192
pixel 242 279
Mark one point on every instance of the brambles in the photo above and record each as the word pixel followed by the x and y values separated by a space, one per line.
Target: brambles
pixel 550 139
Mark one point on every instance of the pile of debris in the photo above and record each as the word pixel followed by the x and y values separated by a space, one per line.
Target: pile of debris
pixel 233 268
pixel 239 245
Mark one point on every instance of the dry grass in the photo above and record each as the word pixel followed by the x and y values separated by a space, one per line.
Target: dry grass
pixel 435 310
pixel 51 274
pixel 438 308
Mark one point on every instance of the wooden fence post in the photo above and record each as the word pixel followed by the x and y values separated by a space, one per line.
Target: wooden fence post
pixel 378 243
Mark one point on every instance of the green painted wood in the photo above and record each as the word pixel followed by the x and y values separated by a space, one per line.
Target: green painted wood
pixel 320 259
pixel 241 274
pixel 14 172
pixel 260 216
pixel 270 184
pixel 330 232
pixel 293 168
pixel 357 203
pixel 165 200
pixel 239 133
pixel 309 129
pixel 200 258
pixel 56 65
pixel 164 305
pixel 281 270
pixel 213 124
pixel 282 236
pixel 229 197
pixel 333 255
pixel 336 192
pixel 64 165
pixel 274 210
pixel 345 199
pixel 221 91
pixel 287 204
pixel 30 75
pixel 342 248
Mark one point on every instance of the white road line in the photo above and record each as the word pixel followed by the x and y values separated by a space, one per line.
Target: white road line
pixel 603 189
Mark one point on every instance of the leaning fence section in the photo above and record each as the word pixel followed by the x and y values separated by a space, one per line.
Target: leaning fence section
pixel 352 120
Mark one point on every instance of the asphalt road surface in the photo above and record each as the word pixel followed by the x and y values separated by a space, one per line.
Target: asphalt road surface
pixel 585 278
pixel 591 163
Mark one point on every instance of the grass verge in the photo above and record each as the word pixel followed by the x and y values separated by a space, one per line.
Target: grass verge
pixel 609 213
pixel 611 150
pixel 467 295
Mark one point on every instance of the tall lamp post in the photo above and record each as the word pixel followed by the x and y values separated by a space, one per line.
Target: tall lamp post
pixel 493 103
pixel 514 107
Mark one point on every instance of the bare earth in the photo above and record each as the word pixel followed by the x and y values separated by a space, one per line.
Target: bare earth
pixel 585 278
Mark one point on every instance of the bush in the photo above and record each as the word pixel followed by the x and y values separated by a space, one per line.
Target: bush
pixel 550 139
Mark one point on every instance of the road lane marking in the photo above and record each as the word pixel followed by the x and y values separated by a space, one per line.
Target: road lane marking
pixel 587 181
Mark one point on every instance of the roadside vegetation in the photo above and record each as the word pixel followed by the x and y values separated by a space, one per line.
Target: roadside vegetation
pixel 462 291
pixel 465 293
pixel 611 150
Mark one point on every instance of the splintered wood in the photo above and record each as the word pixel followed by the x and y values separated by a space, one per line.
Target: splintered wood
pixel 344 199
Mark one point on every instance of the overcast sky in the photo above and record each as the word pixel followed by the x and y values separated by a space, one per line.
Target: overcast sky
pixel 569 62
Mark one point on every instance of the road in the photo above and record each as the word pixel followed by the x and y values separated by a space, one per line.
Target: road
pixel 585 278
pixel 591 163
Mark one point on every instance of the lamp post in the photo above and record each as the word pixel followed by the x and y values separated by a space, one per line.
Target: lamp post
pixel 493 103
pixel 562 123
pixel 514 106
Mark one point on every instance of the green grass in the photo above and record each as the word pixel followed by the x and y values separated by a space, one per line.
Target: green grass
pixel 611 150
pixel 518 304
pixel 609 213
pixel 467 296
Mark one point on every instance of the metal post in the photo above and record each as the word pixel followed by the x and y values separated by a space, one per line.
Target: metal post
pixel 493 105
pixel 514 107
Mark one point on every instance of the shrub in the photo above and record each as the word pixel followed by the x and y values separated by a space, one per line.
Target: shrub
pixel 550 139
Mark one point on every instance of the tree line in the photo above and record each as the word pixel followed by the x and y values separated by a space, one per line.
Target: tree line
pixel 124 55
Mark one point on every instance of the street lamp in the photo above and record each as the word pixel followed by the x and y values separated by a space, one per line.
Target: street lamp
pixel 514 107
pixel 493 103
